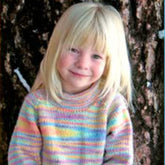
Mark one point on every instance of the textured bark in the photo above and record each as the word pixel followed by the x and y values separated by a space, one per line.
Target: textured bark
pixel 143 20
pixel 26 29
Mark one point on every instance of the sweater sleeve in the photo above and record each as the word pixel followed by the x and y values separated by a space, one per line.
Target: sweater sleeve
pixel 119 140
pixel 25 144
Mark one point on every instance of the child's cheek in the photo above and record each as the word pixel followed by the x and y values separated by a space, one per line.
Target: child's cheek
pixel 101 71
pixel 101 68
pixel 63 61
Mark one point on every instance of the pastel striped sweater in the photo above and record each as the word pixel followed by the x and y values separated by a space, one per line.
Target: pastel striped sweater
pixel 82 130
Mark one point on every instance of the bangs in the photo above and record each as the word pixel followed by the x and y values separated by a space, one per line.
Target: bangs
pixel 88 32
pixel 91 38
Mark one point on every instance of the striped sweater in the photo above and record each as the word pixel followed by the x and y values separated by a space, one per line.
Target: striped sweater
pixel 82 130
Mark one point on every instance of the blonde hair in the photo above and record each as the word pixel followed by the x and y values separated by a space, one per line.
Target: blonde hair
pixel 103 27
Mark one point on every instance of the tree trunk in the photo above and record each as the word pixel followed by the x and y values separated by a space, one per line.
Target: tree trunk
pixel 26 28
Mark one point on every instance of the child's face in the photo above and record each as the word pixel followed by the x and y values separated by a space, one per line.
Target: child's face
pixel 79 68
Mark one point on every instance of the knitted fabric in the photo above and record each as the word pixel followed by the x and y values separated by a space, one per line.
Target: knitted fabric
pixel 82 130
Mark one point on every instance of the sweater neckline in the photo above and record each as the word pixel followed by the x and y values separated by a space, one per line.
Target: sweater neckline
pixel 79 101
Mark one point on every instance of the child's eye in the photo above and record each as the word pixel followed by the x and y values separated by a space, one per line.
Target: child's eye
pixel 96 56
pixel 74 50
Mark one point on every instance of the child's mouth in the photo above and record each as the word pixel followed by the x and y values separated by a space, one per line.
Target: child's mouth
pixel 78 74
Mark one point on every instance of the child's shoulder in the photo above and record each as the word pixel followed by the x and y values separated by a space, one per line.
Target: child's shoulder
pixel 118 103
pixel 37 95
pixel 118 100
pixel 119 97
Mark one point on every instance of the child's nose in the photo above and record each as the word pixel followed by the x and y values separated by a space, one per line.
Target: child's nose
pixel 83 62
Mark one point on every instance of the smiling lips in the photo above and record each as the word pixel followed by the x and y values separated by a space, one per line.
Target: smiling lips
pixel 78 74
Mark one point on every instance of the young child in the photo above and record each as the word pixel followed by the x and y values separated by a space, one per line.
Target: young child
pixel 77 111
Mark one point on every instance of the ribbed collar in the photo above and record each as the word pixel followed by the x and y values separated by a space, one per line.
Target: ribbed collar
pixel 72 102
pixel 81 100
